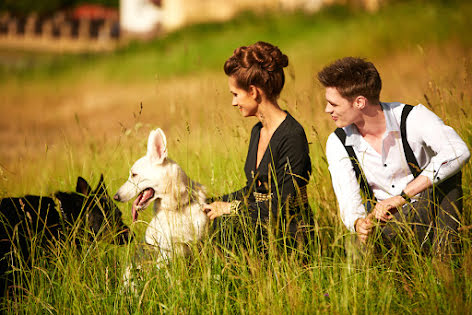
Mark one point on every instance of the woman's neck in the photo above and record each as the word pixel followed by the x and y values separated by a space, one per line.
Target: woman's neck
pixel 270 115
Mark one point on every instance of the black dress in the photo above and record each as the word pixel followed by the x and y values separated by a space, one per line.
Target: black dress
pixel 283 171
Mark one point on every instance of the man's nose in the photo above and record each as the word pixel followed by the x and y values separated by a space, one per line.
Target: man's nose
pixel 328 108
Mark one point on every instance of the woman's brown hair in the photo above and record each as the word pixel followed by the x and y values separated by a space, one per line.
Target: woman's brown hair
pixel 260 64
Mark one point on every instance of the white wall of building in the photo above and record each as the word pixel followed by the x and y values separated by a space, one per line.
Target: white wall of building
pixel 142 16
pixel 139 16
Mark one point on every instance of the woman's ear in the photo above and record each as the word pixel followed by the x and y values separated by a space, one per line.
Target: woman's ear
pixel 256 93
pixel 253 91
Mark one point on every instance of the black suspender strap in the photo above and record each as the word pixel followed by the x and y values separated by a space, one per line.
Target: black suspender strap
pixel 410 157
pixel 355 164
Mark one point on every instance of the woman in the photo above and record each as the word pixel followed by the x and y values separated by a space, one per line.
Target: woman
pixel 278 164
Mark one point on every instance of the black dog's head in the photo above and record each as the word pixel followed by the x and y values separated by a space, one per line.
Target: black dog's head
pixel 102 217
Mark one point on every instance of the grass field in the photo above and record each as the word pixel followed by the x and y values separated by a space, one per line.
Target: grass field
pixel 63 116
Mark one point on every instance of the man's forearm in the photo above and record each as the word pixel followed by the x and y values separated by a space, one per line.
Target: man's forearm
pixel 418 185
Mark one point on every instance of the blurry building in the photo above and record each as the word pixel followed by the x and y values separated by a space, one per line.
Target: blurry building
pixel 86 27
pixel 146 17
pixel 141 18
pixel 91 27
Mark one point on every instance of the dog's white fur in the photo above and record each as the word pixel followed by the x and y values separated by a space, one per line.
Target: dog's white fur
pixel 178 217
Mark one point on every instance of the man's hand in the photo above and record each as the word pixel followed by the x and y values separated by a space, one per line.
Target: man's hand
pixel 385 209
pixel 363 228
pixel 217 209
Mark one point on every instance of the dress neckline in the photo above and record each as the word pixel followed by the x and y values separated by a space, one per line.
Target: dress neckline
pixel 270 140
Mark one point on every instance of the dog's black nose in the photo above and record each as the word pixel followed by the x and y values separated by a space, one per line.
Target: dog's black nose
pixel 116 197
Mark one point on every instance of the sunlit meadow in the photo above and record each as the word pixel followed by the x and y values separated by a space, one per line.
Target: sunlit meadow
pixel 69 116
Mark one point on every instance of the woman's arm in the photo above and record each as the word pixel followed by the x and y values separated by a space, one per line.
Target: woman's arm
pixel 225 204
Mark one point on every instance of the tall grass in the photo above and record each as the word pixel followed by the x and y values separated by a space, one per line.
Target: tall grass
pixel 84 118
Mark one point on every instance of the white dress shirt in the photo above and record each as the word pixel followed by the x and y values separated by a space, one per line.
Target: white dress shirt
pixel 438 149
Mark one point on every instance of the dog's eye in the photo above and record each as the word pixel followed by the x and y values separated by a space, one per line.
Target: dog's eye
pixel 134 174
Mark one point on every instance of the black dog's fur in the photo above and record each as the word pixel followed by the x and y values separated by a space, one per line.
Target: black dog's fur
pixel 47 220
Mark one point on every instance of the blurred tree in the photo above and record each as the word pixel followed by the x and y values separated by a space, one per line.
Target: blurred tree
pixel 106 3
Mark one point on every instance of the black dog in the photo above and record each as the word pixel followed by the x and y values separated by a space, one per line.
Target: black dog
pixel 84 214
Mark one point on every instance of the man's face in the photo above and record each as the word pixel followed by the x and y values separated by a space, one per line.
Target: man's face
pixel 342 110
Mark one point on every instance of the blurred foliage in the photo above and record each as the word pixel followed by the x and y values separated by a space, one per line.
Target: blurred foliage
pixel 23 7
pixel 321 36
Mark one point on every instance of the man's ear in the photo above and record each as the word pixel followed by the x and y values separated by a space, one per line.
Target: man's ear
pixel 360 102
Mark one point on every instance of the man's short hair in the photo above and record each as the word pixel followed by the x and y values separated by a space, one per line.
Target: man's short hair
pixel 352 77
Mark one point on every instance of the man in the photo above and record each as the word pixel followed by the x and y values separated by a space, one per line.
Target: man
pixel 373 131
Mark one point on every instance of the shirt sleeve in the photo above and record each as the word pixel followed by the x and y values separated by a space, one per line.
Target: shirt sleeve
pixel 239 194
pixel 345 185
pixel 236 195
pixel 450 152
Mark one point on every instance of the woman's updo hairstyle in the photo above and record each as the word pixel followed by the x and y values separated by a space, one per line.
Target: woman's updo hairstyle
pixel 260 64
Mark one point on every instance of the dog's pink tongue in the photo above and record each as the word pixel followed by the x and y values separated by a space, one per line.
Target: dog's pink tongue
pixel 135 211
pixel 147 194
pixel 141 199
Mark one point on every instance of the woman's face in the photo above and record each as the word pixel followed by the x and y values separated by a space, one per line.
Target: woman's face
pixel 244 100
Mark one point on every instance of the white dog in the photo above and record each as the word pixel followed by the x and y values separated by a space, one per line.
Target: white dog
pixel 178 216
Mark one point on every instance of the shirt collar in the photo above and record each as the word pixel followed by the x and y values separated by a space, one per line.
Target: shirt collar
pixel 390 120
pixel 353 137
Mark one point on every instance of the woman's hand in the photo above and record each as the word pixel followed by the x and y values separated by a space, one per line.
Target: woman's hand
pixel 217 209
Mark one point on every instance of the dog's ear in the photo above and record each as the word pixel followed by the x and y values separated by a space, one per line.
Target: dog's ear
pixel 82 186
pixel 157 146
pixel 101 188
